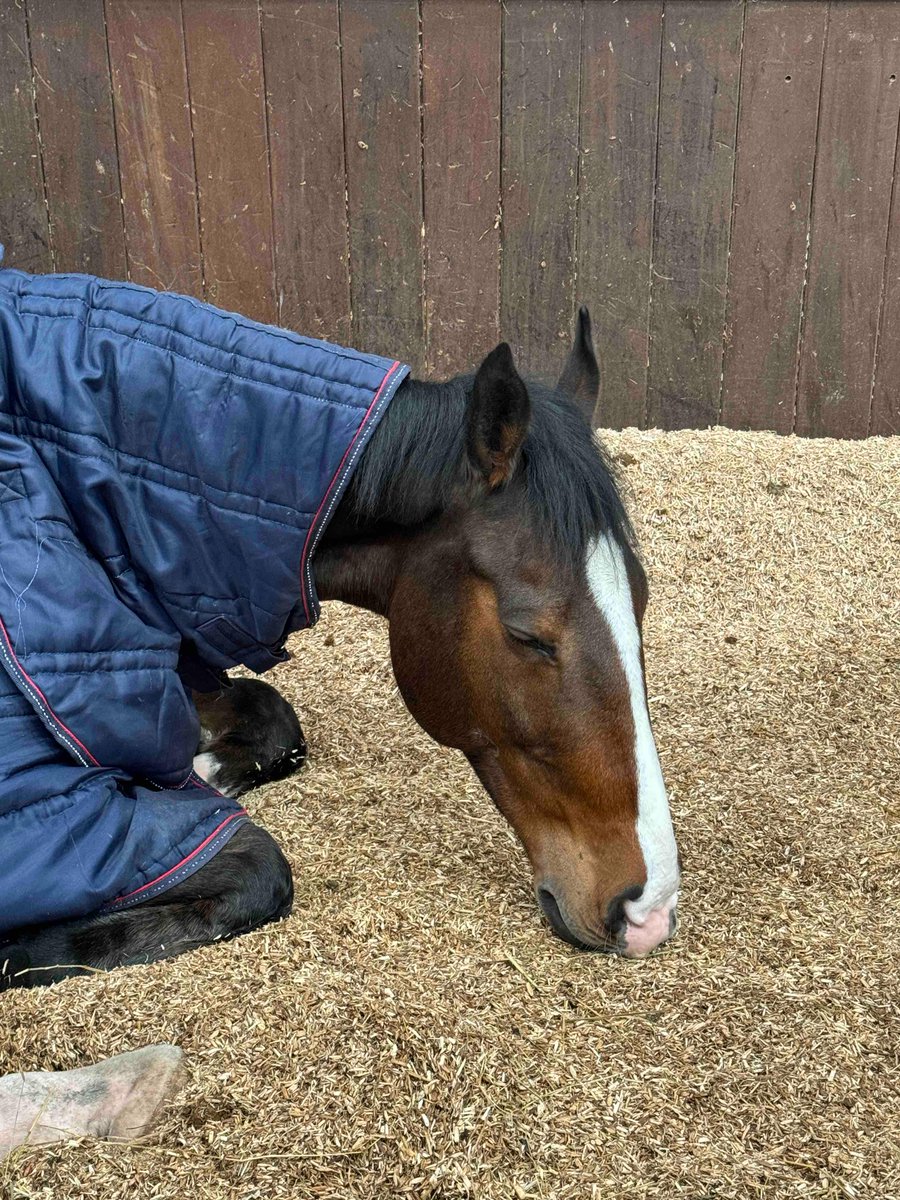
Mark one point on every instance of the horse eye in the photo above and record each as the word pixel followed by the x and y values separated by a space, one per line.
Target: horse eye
pixel 545 649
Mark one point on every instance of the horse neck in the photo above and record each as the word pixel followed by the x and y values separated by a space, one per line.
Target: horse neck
pixel 408 476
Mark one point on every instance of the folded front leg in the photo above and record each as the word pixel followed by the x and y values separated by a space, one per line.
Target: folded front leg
pixel 250 735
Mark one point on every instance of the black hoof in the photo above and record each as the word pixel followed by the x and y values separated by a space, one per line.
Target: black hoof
pixel 251 736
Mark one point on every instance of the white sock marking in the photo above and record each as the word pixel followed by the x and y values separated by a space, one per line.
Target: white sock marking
pixel 608 581
pixel 207 767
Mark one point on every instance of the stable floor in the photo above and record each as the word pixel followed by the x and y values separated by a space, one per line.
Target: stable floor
pixel 414 1030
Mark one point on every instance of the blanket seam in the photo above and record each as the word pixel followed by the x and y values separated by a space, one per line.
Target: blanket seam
pixel 199 362
pixel 373 360
pixel 87 455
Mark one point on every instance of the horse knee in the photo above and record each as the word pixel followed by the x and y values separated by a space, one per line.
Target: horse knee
pixel 270 882
pixel 246 884
pixel 251 736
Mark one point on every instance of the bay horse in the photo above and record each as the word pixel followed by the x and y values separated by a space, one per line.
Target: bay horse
pixel 484 521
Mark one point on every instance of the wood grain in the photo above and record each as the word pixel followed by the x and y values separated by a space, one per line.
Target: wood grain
pixel 424 177
pixel 225 78
pixel 851 207
pixel 885 416
pixel 75 111
pixel 24 227
pixel 384 176
pixel 461 83
pixel 783 47
pixel 541 53
pixel 156 160
pixel 697 125
pixel 301 44
pixel 620 104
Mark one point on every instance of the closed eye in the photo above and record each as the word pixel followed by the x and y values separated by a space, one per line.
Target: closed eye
pixel 530 642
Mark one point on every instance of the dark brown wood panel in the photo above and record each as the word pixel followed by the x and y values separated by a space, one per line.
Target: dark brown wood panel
pixel 425 177
pixel 24 228
pixel 153 126
pixel 695 166
pixel 225 78
pixel 885 418
pixel 380 40
pixel 783 47
pixel 74 105
pixel 851 202
pixel 461 86
pixel 541 56
pixel 301 44
pixel 620 103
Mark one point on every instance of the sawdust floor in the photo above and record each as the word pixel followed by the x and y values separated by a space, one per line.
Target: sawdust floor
pixel 413 1030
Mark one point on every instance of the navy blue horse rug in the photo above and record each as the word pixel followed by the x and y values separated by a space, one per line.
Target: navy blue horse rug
pixel 166 473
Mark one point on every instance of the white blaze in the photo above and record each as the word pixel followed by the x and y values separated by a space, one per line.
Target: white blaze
pixel 608 581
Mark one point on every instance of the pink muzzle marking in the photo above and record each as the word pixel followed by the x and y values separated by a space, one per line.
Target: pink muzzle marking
pixel 652 931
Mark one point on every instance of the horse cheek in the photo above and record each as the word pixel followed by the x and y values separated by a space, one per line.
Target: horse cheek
pixel 426 665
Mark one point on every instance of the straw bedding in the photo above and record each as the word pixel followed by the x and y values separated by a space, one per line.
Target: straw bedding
pixel 413 1029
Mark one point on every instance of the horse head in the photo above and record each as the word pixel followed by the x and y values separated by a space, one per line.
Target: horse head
pixel 485 523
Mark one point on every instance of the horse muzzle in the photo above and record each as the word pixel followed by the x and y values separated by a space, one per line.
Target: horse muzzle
pixel 630 937
pixel 640 937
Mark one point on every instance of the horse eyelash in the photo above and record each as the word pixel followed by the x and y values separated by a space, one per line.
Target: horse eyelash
pixel 543 648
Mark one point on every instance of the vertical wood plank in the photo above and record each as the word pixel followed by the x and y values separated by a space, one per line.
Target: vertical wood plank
pixel 780 80
pixel 24 228
pixel 885 418
pixel 224 62
pixel 851 202
pixel 541 53
pixel 697 119
pixel 620 103
pixel 461 84
pixel 380 40
pixel 74 104
pixel 301 49
pixel 153 127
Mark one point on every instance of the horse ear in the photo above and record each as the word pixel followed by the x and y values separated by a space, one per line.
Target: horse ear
pixel 499 413
pixel 581 375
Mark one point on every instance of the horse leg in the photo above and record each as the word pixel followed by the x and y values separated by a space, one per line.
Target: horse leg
pixel 250 736
pixel 121 1097
pixel 247 884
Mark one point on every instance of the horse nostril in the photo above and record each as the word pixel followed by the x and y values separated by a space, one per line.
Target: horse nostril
pixel 550 909
pixel 615 913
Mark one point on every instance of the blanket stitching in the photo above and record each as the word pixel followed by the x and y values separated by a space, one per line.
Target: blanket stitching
pixel 72 797
pixel 40 703
pixel 373 360
pixel 95 670
pixel 356 446
pixel 199 610
pixel 18 597
pixel 150 462
pixel 130 337
pixel 78 653
pixel 152 887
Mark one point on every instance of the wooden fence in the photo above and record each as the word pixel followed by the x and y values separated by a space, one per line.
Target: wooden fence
pixel 423 177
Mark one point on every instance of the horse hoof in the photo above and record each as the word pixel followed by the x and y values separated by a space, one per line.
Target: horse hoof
pixel 251 736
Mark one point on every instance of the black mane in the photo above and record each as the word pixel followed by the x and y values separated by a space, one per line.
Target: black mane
pixel 417 458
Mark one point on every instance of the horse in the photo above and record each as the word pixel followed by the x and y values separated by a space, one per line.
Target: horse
pixel 485 522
